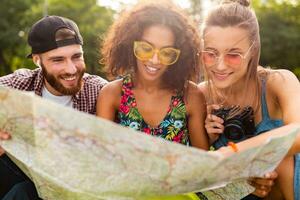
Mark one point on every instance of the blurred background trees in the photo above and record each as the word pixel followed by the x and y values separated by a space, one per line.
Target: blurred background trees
pixel 279 26
pixel 280 33
pixel 13 29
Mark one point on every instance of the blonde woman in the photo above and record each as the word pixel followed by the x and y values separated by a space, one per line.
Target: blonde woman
pixel 236 87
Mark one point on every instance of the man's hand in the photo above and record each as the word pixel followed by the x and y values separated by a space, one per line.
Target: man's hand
pixel 263 185
pixel 3 136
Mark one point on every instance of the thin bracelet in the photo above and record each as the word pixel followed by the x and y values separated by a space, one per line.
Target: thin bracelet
pixel 233 146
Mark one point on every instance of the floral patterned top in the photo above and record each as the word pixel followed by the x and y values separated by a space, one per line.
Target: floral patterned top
pixel 172 128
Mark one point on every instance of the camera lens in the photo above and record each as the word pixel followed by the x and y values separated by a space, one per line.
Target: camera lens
pixel 234 131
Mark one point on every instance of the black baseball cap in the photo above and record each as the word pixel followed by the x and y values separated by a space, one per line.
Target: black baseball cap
pixel 41 37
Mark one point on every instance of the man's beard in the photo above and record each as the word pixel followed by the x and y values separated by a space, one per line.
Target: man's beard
pixel 58 86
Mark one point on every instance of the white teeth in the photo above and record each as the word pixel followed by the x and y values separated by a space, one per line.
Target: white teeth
pixel 69 78
pixel 152 69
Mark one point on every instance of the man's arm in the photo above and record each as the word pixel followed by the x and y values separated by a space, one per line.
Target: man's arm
pixel 108 100
pixel 7 80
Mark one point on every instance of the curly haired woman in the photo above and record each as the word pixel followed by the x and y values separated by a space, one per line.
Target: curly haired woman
pixel 154 48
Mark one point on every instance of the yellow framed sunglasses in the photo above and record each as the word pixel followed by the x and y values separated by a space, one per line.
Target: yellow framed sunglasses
pixel 145 51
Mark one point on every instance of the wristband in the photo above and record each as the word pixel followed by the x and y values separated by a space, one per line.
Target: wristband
pixel 233 146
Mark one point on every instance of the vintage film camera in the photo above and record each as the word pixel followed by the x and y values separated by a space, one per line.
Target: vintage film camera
pixel 238 122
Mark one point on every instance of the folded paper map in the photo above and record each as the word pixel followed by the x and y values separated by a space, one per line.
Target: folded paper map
pixel 71 155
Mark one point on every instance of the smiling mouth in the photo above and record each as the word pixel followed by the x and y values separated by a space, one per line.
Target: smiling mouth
pixel 69 78
pixel 221 76
pixel 151 69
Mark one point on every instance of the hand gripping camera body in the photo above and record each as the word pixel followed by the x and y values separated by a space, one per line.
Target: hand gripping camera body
pixel 238 123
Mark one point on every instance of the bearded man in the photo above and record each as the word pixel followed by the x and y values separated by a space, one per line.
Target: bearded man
pixel 56 48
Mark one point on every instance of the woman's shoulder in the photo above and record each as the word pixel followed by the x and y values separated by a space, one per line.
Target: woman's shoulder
pixel 194 94
pixel 109 99
pixel 202 86
pixel 192 88
pixel 279 74
pixel 112 89
pixel 281 80
pixel 114 85
pixel 279 77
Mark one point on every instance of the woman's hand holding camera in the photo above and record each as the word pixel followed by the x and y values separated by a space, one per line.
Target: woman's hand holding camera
pixel 213 124
pixel 214 127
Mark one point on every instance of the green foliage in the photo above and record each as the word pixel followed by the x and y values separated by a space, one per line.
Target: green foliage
pixel 280 33
pixel 297 71
pixel 13 34
pixel 17 16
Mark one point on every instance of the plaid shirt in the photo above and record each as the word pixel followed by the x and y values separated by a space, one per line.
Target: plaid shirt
pixel 33 80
